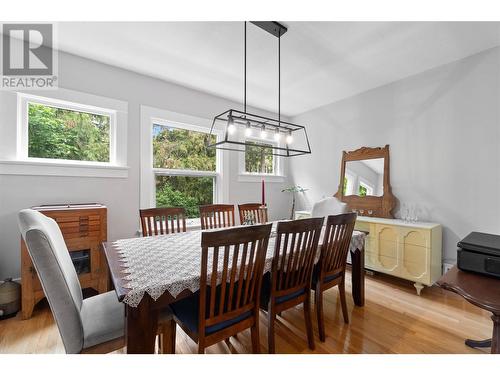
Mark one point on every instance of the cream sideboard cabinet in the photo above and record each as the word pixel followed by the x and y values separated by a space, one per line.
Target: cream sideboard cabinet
pixel 411 251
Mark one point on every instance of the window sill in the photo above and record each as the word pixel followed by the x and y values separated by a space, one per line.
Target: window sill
pixel 251 177
pixel 64 169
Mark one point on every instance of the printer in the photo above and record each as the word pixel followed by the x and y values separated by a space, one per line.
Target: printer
pixel 480 253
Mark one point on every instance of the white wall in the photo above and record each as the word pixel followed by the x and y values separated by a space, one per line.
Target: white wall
pixel 120 195
pixel 443 128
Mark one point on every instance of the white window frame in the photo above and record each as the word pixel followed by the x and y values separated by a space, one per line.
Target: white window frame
pixel 278 168
pixel 351 183
pixel 151 116
pixel 15 159
pixel 364 183
pixel 25 100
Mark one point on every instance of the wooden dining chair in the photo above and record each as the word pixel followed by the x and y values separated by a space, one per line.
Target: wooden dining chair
pixel 91 325
pixel 232 264
pixel 289 282
pixel 162 220
pixel 330 270
pixel 217 216
pixel 258 211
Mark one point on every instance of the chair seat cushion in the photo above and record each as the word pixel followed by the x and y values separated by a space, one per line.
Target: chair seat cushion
pixel 103 318
pixel 187 311
pixel 315 276
pixel 265 293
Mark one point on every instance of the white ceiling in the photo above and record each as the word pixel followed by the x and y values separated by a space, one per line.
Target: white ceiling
pixel 322 62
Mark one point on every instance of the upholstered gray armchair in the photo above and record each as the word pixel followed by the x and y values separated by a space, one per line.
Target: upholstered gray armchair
pixel 90 325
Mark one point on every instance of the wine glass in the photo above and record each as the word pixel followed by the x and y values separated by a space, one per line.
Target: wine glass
pixel 404 212
pixel 414 213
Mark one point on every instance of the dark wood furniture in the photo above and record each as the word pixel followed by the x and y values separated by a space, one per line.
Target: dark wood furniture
pixel 288 284
pixel 481 291
pixel 330 270
pixel 217 312
pixel 217 216
pixel 258 211
pixel 379 206
pixel 84 228
pixel 142 321
pixel 163 220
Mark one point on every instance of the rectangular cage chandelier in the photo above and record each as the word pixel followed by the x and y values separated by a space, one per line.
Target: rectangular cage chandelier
pixel 240 128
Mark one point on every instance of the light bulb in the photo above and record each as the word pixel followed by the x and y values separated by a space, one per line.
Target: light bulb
pixel 231 128
pixel 263 133
pixel 277 135
pixel 289 138
pixel 248 130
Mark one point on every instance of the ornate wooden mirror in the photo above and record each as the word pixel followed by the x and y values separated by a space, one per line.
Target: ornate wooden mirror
pixel 365 182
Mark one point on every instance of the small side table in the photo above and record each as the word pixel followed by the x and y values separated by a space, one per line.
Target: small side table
pixel 481 291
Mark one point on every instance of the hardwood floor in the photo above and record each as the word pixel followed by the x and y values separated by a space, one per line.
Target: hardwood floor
pixel 393 320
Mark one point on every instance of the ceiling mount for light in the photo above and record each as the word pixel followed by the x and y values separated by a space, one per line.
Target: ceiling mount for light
pixel 241 128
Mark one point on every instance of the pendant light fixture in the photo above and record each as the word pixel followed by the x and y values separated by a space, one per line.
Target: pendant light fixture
pixel 237 129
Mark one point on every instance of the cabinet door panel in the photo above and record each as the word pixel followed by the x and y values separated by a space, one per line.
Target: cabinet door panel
pixel 415 255
pixel 386 257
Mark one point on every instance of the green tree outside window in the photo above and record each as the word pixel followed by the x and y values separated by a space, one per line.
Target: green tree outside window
pixel 57 133
pixel 258 159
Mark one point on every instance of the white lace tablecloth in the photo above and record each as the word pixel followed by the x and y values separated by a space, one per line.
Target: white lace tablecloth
pixel 173 263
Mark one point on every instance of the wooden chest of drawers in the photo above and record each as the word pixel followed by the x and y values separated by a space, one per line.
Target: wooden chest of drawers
pixel 84 228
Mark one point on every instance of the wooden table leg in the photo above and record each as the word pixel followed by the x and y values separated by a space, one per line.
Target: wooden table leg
pixel 141 327
pixel 495 341
pixel 358 276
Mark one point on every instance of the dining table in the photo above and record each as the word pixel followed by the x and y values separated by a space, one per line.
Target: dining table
pixel 150 273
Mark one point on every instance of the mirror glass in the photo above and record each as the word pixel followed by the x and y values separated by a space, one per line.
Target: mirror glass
pixel 364 178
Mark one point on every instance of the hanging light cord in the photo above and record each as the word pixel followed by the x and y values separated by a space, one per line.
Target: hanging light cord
pixel 279 77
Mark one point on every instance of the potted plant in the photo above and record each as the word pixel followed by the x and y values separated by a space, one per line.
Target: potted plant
pixel 294 189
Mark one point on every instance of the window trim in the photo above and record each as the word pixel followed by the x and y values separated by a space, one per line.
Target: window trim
pixel 14 158
pixel 151 116
pixel 350 178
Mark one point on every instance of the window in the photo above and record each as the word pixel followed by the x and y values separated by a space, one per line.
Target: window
pixel 258 159
pixel 66 134
pixel 364 189
pixel 184 191
pixel 184 169
pixel 257 163
pixel 348 188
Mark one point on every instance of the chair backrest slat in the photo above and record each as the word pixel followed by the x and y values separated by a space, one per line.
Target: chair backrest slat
pixel 231 272
pixel 155 221
pixel 294 254
pixel 217 216
pixel 258 211
pixel 335 247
